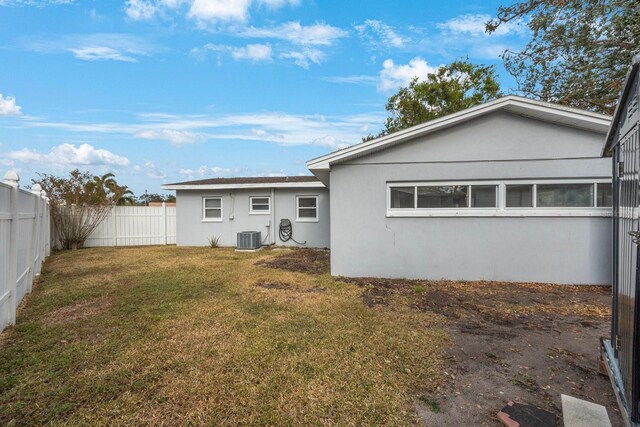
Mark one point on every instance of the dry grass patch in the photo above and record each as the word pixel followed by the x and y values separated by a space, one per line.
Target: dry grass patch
pixel 75 312
pixel 202 336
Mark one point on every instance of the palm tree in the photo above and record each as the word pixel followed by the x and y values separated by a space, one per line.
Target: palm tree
pixel 106 188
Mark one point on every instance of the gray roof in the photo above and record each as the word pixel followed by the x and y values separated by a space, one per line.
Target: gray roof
pixel 251 180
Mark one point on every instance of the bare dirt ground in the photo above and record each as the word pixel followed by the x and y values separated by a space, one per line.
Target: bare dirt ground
pixel 509 341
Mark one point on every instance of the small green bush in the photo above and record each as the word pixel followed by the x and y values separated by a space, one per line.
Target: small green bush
pixel 214 242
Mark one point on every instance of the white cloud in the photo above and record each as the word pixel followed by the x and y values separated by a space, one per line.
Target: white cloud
pixel 380 35
pixel 253 52
pixel 206 172
pixel 393 76
pixel 173 136
pixel 465 35
pixel 68 154
pixel 319 34
pixel 94 47
pixel 36 3
pixel 278 128
pixel 276 4
pixel 219 10
pixel 474 24
pixel 153 171
pixel 304 58
pixel 303 43
pixel 202 11
pixel 9 107
pixel 140 10
pixel 100 53
pixel 361 80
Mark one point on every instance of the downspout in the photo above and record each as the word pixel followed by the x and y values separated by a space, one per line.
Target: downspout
pixel 273 215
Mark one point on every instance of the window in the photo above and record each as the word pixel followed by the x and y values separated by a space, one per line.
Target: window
pixel 307 208
pixel 449 196
pixel 575 197
pixel 259 205
pixel 402 197
pixel 564 195
pixel 443 196
pixel 212 209
pixel 604 194
pixel 519 196
pixel 484 196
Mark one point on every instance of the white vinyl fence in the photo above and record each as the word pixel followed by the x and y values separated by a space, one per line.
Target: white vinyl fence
pixel 136 225
pixel 25 241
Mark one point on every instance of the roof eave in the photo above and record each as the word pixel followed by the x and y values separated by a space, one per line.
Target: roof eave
pixel 242 186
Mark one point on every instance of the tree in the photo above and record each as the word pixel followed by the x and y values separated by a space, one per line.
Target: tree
pixel 154 197
pixel 107 186
pixel 579 49
pixel 78 204
pixel 449 89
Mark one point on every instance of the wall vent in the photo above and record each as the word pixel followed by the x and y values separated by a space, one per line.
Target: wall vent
pixel 248 240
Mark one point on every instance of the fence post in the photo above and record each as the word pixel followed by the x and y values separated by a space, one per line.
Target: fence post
pixel 43 231
pixel 11 178
pixel 164 220
pixel 33 253
pixel 115 226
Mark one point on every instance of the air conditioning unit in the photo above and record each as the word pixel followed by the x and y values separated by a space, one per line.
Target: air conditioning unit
pixel 248 240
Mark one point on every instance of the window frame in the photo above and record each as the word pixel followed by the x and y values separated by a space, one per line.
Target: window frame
pixel 254 212
pixel 306 219
pixel 204 209
pixel 501 209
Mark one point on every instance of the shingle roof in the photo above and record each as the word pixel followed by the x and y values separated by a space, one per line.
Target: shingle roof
pixel 250 180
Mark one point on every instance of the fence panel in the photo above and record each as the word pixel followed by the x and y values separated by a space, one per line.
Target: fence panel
pixel 24 243
pixel 136 225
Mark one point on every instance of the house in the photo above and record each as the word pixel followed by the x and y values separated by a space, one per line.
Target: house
pixel 511 190
pixel 222 207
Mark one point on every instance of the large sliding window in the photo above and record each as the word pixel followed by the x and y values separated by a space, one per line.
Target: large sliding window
pixel 500 198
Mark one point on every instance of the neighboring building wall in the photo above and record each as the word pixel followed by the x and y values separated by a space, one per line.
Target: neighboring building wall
pixel 193 231
pixel 365 242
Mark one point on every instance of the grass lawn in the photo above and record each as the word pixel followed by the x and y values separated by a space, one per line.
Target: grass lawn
pixel 171 335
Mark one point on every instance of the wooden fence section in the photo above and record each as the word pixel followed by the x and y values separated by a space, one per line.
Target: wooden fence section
pixel 25 241
pixel 136 225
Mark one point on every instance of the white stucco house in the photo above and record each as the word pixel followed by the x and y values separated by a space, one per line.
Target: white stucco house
pixel 511 190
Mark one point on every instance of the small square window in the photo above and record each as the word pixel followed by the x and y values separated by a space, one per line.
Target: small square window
pixel 307 208
pixel 520 196
pixel 484 196
pixel 403 197
pixel 260 205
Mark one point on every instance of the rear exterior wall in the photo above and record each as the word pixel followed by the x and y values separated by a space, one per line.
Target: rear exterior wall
pixel 365 241
pixel 191 230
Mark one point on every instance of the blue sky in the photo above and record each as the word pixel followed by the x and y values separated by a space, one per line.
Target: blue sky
pixel 161 91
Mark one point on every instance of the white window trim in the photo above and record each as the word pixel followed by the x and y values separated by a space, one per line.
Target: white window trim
pixel 501 210
pixel 303 196
pixel 252 212
pixel 204 218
